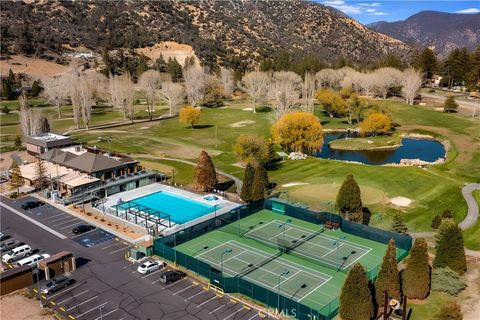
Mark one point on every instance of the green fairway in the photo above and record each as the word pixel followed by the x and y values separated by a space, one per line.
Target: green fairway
pixel 250 249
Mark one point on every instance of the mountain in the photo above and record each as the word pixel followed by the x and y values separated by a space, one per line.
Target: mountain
pixel 229 32
pixel 441 30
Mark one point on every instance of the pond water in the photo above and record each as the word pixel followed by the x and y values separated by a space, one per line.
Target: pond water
pixel 423 149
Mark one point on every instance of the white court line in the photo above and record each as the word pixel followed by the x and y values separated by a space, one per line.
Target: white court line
pixel 44 227
pixel 192 285
pixel 106 314
pixel 335 248
pixel 206 301
pixel 196 294
pixel 112 252
pixel 78 294
pixel 313 290
pixel 287 278
pixel 101 305
pixel 68 290
pixel 82 303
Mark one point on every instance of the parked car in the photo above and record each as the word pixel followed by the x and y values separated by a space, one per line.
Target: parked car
pixel 55 284
pixel 150 266
pixel 32 204
pixel 33 260
pixel 17 253
pixel 4 236
pixel 9 244
pixel 171 276
pixel 82 228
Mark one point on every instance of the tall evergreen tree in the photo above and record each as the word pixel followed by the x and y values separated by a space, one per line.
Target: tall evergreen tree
pixel 40 174
pixel 356 298
pixel 161 64
pixel 246 193
pixel 450 311
pixel 7 91
pixel 388 278
pixel 205 174
pixel 436 222
pixel 260 181
pixel 426 62
pixel 416 277
pixel 450 249
pixel 398 225
pixel 174 69
pixel 349 201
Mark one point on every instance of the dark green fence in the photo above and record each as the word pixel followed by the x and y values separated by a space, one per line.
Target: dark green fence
pixel 272 299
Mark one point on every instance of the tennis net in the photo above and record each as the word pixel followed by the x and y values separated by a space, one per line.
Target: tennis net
pixel 296 243
pixel 260 264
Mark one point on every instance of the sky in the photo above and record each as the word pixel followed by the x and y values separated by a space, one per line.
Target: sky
pixel 394 10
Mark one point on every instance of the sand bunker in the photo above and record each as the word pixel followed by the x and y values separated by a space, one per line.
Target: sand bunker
pixel 241 124
pixel 401 201
pixel 293 184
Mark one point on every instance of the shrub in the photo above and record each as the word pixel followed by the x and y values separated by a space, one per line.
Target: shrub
pixel 431 90
pixel 253 148
pixel 436 222
pixel 447 280
pixel 14 195
pixel 449 311
pixel 376 123
pixel 450 105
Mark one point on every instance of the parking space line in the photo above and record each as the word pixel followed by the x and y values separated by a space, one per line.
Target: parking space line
pixel 201 291
pixel 172 284
pixel 112 252
pixel 54 216
pixel 215 310
pixel 63 222
pixel 69 226
pixel 78 294
pixel 68 290
pixel 192 285
pixel 112 245
pixel 82 303
pixel 151 273
pixel 66 217
pixel 101 305
pixel 106 314
pixel 206 301
pixel 255 315
pixel 233 314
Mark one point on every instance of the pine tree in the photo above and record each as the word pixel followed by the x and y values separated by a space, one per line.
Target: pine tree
pixel 416 277
pixel 450 105
pixel 447 213
pixel 161 64
pixel 356 298
pixel 450 250
pixel 174 69
pixel 398 225
pixel 7 90
pixel 40 174
pixel 246 193
pixel 260 181
pixel 449 311
pixel 388 278
pixel 17 142
pixel 349 201
pixel 16 179
pixel 436 222
pixel 36 88
pixel 205 174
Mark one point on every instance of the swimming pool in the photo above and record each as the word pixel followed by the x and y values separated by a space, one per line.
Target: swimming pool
pixel 180 209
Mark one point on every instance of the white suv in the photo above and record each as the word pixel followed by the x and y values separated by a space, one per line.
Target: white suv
pixel 17 253
pixel 33 260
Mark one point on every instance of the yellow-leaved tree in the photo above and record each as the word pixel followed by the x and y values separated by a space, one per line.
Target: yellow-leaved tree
pixel 332 102
pixel 376 123
pixel 189 115
pixel 298 131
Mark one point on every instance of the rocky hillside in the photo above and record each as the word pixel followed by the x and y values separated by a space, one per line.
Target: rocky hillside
pixel 219 31
pixel 443 31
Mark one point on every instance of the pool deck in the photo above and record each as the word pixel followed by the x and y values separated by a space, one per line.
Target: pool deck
pixel 224 204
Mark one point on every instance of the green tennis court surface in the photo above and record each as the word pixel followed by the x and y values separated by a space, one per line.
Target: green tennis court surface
pixel 269 249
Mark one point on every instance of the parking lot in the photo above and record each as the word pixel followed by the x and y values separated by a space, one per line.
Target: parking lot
pixel 106 286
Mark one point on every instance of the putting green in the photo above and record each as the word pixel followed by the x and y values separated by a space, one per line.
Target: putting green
pixel 317 194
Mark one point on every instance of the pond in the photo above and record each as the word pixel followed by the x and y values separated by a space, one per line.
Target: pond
pixel 423 149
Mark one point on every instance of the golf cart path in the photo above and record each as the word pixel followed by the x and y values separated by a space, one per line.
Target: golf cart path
pixel 470 219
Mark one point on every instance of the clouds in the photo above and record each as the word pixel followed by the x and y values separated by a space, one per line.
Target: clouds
pixel 470 10
pixel 356 9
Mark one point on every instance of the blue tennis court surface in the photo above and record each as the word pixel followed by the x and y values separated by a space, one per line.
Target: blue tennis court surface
pixel 180 209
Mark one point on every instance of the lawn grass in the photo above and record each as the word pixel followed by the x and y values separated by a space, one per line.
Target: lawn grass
pixel 472 235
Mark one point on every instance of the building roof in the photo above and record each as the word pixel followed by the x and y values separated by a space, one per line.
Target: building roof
pixel 48 140
pixel 57 156
pixel 76 179
pixel 93 162
pixel 29 171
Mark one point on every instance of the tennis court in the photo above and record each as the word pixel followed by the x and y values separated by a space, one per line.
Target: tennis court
pixel 269 270
pixel 334 252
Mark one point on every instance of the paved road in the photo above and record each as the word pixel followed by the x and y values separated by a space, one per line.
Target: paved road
pixel 106 285
pixel 469 105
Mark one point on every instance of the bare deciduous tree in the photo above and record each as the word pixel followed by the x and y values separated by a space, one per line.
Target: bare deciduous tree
pixel 284 92
pixel 86 91
pixel 150 82
pixel 308 91
pixel 24 114
pixel 227 81
pixel 174 93
pixel 255 83
pixel 195 83
pixel 385 79
pixel 55 90
pixel 328 78
pixel 411 84
pixel 121 93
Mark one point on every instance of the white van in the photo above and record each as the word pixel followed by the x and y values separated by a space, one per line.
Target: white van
pixel 17 253
pixel 32 260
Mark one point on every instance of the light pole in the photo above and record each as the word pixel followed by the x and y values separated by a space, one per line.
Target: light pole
pixel 221 257
pixel 38 286
pixel 284 226
pixel 284 273
pixel 101 313
pixel 337 243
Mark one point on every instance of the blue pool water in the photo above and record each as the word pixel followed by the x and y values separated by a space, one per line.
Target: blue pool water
pixel 180 209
